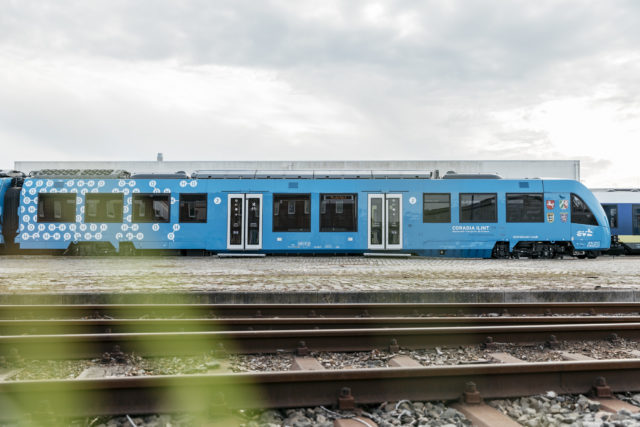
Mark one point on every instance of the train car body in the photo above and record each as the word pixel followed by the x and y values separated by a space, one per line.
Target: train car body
pixel 314 213
pixel 622 207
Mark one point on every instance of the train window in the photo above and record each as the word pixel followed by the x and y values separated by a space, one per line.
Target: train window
pixel 151 207
pixel 580 212
pixel 478 207
pixel 338 212
pixel 436 207
pixel 103 207
pixel 56 207
pixel 635 219
pixel 193 207
pixel 612 215
pixel 291 212
pixel 525 207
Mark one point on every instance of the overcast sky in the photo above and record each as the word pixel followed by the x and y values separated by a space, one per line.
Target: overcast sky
pixel 297 80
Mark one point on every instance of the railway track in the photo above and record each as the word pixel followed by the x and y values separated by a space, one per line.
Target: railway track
pixel 342 389
pixel 59 332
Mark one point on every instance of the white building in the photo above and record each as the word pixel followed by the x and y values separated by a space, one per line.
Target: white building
pixel 510 169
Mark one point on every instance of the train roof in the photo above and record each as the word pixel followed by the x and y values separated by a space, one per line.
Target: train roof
pixel 311 174
pixel 617 195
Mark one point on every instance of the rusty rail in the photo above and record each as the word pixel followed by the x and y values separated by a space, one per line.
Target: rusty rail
pixel 97 326
pixel 204 393
pixel 132 311
pixel 175 343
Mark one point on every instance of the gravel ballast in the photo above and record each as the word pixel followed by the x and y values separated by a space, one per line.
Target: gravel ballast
pixel 552 410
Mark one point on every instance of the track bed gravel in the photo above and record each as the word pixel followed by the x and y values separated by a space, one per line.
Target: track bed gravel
pixel 24 274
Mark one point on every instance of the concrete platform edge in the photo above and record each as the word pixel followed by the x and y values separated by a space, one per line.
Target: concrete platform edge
pixel 223 297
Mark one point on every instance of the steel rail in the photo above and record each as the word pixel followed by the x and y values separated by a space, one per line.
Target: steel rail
pixel 183 343
pixel 97 326
pixel 130 311
pixel 204 393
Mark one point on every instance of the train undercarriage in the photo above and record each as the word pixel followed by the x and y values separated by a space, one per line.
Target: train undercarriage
pixel 540 250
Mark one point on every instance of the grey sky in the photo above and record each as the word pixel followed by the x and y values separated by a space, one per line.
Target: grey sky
pixel 108 80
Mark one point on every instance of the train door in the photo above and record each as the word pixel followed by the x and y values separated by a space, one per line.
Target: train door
pixel 385 221
pixel 244 222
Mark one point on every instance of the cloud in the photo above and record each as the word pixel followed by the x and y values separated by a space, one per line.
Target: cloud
pixel 335 80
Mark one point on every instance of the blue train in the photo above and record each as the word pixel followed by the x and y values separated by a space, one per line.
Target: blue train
pixel 622 207
pixel 302 212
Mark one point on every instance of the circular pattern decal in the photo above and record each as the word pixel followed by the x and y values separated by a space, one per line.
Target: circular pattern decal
pixel 217 200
